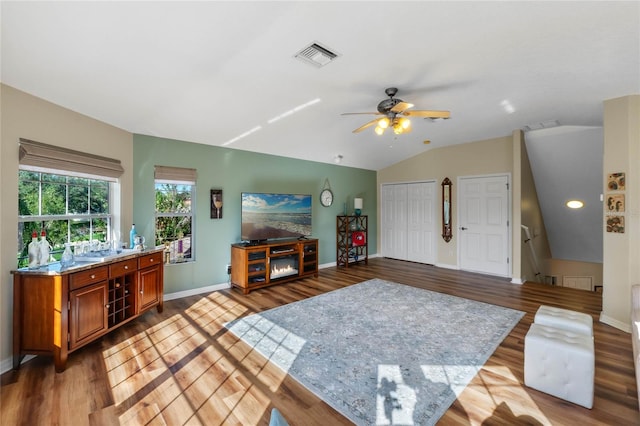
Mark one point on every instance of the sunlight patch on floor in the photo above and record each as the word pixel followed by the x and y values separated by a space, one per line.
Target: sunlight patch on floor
pixel 269 342
pixel 171 373
pixel 488 390
pixel 395 401
pixel 453 376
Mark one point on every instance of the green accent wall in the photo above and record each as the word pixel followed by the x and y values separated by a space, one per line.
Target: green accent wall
pixel 235 171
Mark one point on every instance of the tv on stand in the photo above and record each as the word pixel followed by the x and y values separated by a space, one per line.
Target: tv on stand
pixel 272 216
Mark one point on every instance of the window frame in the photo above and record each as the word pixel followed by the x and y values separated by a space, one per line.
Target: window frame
pixel 175 257
pixel 41 219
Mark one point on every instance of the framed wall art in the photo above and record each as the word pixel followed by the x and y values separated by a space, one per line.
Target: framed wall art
pixel 615 203
pixel 615 182
pixel 615 224
pixel 216 204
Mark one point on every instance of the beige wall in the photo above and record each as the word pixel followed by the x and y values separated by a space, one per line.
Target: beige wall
pixel 24 116
pixel 561 268
pixel 621 252
pixel 472 159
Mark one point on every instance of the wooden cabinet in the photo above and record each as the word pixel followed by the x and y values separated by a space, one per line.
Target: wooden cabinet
pixel 149 282
pixel 88 314
pixel 351 240
pixel 256 266
pixel 58 311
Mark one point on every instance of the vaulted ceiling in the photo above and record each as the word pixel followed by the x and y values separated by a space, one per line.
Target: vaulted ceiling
pixel 225 73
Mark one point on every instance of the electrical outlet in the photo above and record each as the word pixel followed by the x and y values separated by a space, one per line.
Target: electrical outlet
pixel 228 269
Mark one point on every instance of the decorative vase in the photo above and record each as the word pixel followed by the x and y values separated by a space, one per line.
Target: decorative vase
pixel 67 256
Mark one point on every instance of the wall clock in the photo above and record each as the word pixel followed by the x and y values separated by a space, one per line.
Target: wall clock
pixel 326 195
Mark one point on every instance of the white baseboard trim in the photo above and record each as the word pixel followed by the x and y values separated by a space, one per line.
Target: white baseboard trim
pixel 7 364
pixel 615 323
pixel 515 280
pixel 447 266
pixel 196 291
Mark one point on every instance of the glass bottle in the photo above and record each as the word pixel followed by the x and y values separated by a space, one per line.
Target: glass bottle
pixel 34 251
pixel 67 256
pixel 45 249
pixel 132 236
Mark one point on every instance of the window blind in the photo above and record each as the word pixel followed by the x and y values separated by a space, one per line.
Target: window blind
pixel 49 158
pixel 167 174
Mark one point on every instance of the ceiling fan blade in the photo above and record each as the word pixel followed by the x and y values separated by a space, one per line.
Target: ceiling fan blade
pixel 364 126
pixel 360 113
pixel 400 107
pixel 427 114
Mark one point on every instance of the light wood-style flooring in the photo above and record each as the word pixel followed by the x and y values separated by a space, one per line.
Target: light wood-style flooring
pixel 183 367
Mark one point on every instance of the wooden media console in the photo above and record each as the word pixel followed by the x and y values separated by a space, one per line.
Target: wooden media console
pixel 270 263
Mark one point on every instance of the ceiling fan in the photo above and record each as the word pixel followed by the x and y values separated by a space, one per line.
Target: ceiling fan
pixel 395 112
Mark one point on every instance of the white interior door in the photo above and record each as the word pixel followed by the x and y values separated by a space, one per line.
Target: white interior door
pixel 421 235
pixel 394 221
pixel 484 224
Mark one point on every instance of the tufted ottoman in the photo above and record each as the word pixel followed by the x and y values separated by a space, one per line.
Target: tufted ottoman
pixel 564 319
pixel 560 363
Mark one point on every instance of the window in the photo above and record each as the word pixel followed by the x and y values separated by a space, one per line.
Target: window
pixel 175 205
pixel 67 208
pixel 65 192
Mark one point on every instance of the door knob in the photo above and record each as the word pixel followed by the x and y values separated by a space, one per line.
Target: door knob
pixel 463 228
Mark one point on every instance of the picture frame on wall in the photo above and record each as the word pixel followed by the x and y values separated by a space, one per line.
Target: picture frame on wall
pixel 616 182
pixel 216 203
pixel 615 203
pixel 615 224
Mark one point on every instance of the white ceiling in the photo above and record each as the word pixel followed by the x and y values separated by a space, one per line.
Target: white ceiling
pixel 560 175
pixel 208 72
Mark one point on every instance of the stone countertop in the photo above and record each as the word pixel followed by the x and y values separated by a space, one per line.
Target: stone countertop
pixel 81 264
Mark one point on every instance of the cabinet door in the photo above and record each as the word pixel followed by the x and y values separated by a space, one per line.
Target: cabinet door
pixel 148 288
pixel 88 313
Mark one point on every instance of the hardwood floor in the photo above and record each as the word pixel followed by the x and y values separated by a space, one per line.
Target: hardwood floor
pixel 183 367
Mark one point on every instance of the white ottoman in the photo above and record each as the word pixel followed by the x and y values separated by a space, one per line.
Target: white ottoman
pixel 560 363
pixel 564 319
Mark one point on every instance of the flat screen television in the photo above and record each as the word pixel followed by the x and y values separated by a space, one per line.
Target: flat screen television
pixel 275 216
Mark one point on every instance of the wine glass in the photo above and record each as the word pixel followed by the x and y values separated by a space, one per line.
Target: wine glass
pixel 217 202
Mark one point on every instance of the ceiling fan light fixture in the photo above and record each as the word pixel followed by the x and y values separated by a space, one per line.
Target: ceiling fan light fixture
pixel 383 122
pixel 405 123
pixel 379 130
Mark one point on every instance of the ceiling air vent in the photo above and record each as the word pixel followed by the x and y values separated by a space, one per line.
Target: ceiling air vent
pixel 317 55
pixel 541 125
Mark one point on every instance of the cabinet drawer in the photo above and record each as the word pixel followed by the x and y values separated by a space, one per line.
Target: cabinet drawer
pixel 150 260
pixel 122 268
pixel 90 276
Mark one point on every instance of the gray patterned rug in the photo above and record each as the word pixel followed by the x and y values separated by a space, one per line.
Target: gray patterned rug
pixel 378 352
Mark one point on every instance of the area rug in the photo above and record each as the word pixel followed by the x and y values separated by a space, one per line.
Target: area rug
pixel 381 353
